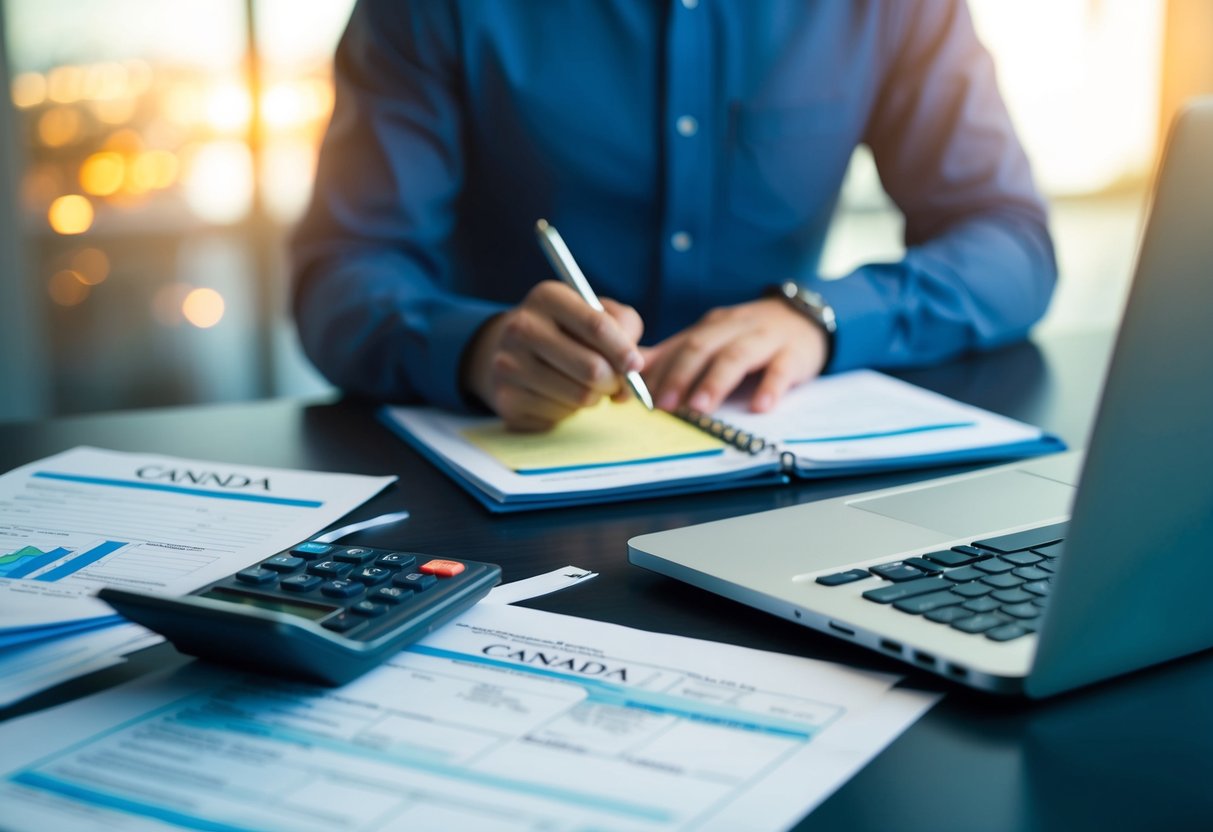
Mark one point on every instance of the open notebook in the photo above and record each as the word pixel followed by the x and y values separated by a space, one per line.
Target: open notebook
pixel 849 423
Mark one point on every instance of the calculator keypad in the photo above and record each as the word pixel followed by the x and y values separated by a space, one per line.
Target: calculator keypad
pixel 370 590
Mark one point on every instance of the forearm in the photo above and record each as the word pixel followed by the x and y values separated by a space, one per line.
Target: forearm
pixel 977 285
pixel 374 327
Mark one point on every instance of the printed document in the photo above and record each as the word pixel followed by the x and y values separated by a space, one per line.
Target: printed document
pixel 88 518
pixel 507 719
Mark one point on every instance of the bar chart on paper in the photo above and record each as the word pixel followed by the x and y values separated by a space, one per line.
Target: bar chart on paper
pixel 54 563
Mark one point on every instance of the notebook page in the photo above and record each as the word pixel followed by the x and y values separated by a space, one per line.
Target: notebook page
pixel 864 415
pixel 611 433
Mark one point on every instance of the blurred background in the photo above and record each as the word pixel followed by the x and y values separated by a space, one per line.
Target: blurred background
pixel 154 156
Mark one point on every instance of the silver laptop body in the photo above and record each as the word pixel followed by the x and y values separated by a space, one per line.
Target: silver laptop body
pixel 1129 590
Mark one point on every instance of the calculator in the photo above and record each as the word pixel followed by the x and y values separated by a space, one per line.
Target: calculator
pixel 317 612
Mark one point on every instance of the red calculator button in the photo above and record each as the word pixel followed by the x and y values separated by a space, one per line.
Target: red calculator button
pixel 442 568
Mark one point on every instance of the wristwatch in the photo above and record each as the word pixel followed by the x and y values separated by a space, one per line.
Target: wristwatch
pixel 813 306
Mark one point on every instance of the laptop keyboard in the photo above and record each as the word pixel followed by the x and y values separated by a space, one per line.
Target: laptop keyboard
pixel 997 587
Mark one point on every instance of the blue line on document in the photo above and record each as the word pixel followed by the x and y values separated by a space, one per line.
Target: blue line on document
pixel 531 472
pixel 109 801
pixel 854 437
pixel 177 489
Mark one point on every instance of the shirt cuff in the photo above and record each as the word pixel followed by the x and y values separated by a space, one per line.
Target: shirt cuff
pixel 864 323
pixel 449 330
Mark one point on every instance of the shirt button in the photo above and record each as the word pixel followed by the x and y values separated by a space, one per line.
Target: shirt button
pixel 686 126
pixel 690 4
pixel 681 241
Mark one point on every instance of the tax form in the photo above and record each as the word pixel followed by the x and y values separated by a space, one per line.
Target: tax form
pixel 87 518
pixel 507 719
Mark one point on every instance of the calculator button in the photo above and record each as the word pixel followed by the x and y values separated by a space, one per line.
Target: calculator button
pixel 283 563
pixel 414 581
pixel 330 569
pixel 397 560
pixel 311 550
pixel 368 609
pixel 341 589
pixel 442 568
pixel 256 575
pixel 371 575
pixel 392 594
pixel 301 583
pixel 342 622
pixel 354 555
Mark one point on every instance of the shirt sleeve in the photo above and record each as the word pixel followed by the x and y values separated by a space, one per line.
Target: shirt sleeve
pixel 979 267
pixel 371 265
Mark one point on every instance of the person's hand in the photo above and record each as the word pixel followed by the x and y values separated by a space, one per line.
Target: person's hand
pixel 552 354
pixel 703 364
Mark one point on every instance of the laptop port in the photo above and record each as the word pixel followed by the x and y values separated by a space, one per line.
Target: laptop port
pixel 891 646
pixel 834 625
pixel 957 671
pixel 924 658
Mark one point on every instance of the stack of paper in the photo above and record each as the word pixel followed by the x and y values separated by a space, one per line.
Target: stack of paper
pixel 506 719
pixel 87 518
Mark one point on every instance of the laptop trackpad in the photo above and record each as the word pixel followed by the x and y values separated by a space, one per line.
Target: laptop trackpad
pixel 977 505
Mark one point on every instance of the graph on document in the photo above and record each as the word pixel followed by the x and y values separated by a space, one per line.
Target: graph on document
pixel 92 558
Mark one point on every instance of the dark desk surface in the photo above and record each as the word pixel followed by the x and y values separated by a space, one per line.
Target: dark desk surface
pixel 1132 753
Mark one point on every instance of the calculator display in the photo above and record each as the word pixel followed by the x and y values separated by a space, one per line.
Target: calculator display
pixel 312 611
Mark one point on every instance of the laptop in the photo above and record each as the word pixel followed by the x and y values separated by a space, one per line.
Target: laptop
pixel 1037 577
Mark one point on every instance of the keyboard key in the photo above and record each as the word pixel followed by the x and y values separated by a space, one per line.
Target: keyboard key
pixel 1012 596
pixel 925 603
pixel 414 581
pixel 301 583
pixel 311 550
pixel 355 555
pixel 392 594
pixel 981 605
pixel 896 571
pixel 397 560
pixel 1053 550
pixel 949 558
pixel 994 566
pixel 257 576
pixel 840 578
pixel 371 575
pixel 971 551
pixel 342 622
pixel 330 569
pixel 1023 558
pixel 972 590
pixel 342 589
pixel 1007 632
pixel 368 609
pixel 1021 541
pixel 283 563
pixel 908 589
pixel 1031 573
pixel 946 615
pixel 964 573
pixel 441 568
pixel 1001 581
pixel 1049 566
pixel 924 566
pixel 1036 588
pixel 979 623
pixel 1026 611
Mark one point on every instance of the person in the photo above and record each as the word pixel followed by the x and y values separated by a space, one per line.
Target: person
pixel 691 153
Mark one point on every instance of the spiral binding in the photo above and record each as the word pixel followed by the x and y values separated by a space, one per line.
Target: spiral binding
pixel 723 431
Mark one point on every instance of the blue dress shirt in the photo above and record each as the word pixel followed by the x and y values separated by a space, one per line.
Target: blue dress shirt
pixel 689 151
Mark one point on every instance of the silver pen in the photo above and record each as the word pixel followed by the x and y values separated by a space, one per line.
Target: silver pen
pixel 562 261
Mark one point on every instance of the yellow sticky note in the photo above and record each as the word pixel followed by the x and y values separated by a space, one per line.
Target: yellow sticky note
pixel 608 434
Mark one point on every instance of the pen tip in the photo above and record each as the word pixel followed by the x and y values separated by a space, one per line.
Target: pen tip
pixel 541 224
